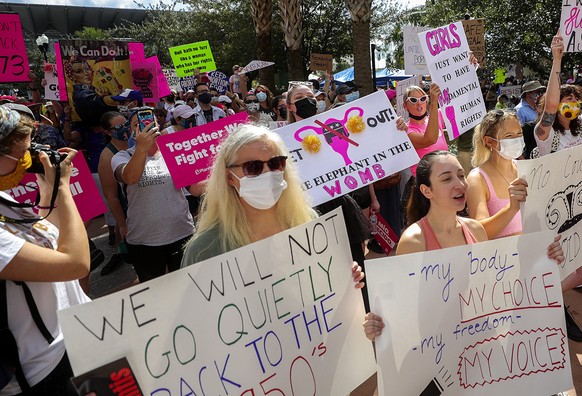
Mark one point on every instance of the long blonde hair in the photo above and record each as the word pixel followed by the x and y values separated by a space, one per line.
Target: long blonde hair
pixel 489 126
pixel 221 206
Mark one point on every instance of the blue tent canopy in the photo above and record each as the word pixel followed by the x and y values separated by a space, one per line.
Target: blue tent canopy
pixel 382 76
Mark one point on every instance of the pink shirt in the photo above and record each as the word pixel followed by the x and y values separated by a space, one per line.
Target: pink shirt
pixel 430 239
pixel 441 143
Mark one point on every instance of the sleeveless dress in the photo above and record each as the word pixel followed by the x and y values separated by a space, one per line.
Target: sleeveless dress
pixel 432 243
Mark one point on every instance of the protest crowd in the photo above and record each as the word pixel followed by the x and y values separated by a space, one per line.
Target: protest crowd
pixel 463 191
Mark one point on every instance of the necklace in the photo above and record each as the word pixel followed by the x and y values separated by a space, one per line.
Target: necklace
pixel 500 174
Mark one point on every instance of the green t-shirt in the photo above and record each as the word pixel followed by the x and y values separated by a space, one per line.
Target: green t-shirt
pixel 204 246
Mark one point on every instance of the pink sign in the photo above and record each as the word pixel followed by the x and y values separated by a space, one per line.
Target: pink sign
pixel 61 76
pixel 163 87
pixel 83 187
pixel 14 65
pixel 384 235
pixel 189 153
pixel 144 78
pixel 136 52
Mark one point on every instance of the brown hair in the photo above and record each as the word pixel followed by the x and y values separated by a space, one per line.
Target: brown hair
pixel 23 128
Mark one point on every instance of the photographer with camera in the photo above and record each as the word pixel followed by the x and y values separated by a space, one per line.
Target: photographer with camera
pixel 40 262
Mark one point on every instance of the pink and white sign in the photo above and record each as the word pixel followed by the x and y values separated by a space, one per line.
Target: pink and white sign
pixel 62 85
pixel 163 87
pixel 189 153
pixel 83 187
pixel 383 233
pixel 14 65
pixel 51 89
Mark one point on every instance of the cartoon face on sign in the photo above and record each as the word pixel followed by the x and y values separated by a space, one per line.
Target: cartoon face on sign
pixel 564 208
pixel 335 133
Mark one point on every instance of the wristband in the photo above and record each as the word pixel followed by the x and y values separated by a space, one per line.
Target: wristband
pixel 46 207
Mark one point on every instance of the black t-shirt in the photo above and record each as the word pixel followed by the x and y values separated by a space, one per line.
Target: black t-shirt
pixel 208 115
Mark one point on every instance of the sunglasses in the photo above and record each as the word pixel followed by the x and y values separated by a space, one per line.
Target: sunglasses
pixel 119 127
pixel 252 101
pixel 255 168
pixel 413 100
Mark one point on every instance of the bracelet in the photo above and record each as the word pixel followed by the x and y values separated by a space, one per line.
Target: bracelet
pixel 46 207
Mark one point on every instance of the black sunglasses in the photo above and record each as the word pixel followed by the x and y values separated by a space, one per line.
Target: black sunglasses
pixel 255 168
pixel 119 127
pixel 252 101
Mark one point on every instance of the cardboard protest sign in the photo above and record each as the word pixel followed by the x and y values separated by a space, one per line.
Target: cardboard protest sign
pixel 570 26
pixel 510 90
pixel 163 87
pixel 189 154
pixel 323 62
pixel 188 83
pixel 400 89
pixel 348 147
pixel 218 80
pixel 144 78
pixel 60 74
pixel 51 88
pixel 94 69
pixel 172 79
pixel 482 319
pixel 255 65
pixel 554 186
pixel 447 57
pixel 280 315
pixel 83 188
pixel 475 33
pixel 189 57
pixel 14 65
pixel 414 60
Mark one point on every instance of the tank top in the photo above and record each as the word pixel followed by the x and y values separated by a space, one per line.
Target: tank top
pixel 495 204
pixel 432 243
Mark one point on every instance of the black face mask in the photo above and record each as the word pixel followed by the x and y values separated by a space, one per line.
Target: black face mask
pixel 205 97
pixel 283 112
pixel 306 107
pixel 418 118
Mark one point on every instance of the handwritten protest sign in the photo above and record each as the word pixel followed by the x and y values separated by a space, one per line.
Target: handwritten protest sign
pixel 60 74
pixel 51 88
pixel 323 62
pixel 218 80
pixel 83 188
pixel 482 319
pixel 188 83
pixel 510 90
pixel 570 26
pixel 189 57
pixel 163 87
pixel 172 79
pixel 447 57
pixel 400 89
pixel 14 65
pixel 348 147
pixel 94 69
pixel 414 60
pixel 189 154
pixel 475 33
pixel 280 315
pixel 554 186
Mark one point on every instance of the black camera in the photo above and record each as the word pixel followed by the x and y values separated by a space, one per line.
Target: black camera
pixel 35 149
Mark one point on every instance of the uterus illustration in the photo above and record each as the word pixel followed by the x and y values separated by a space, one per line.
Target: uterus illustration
pixel 335 132
pixel 564 209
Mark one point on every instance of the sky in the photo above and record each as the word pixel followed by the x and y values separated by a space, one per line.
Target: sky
pixel 131 3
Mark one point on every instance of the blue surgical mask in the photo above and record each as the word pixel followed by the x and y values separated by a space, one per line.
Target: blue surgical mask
pixel 261 96
pixel 352 96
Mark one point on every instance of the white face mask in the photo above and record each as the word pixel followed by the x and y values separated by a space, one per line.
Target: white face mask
pixel 320 106
pixel 511 148
pixel 262 192
pixel 352 96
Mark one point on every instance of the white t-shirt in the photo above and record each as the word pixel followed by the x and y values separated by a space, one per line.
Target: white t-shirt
pixel 37 358
pixel 567 140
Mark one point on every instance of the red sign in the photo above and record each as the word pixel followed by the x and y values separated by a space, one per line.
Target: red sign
pixel 385 236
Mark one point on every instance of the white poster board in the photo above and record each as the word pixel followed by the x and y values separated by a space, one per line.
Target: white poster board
pixel 281 313
pixel 51 77
pixel 554 200
pixel 447 56
pixel 570 26
pixel 414 61
pixel 482 319
pixel 510 90
pixel 172 79
pixel 348 147
pixel 400 89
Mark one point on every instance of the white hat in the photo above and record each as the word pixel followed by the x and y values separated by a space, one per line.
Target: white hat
pixel 224 98
pixel 183 111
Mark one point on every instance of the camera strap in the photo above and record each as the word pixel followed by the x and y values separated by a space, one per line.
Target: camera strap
pixel 7 202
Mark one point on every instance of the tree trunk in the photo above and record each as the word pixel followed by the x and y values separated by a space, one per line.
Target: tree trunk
pixel 262 12
pixel 361 12
pixel 291 25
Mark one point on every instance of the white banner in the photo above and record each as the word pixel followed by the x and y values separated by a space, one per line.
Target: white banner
pixel 554 200
pixel 280 315
pixel 447 55
pixel 348 147
pixel 482 319
pixel 172 79
pixel 400 89
pixel 570 26
pixel 414 61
